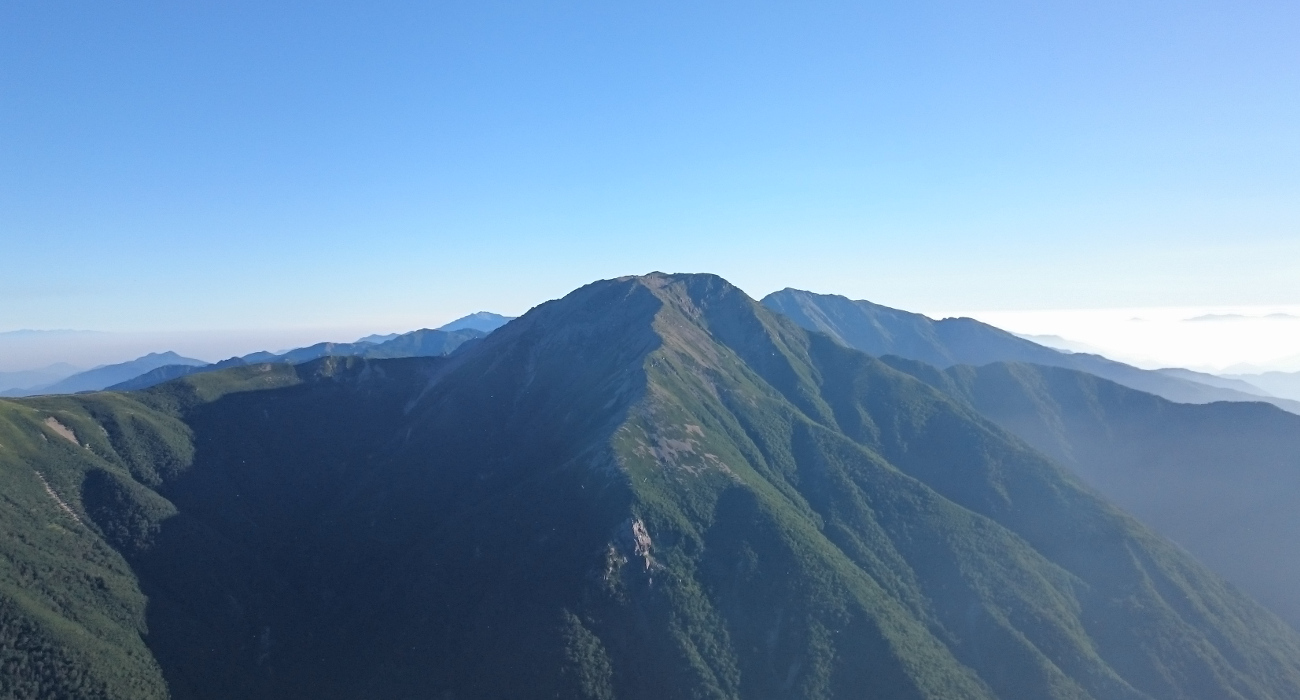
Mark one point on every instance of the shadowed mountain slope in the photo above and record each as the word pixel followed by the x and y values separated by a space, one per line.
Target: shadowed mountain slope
pixel 1220 479
pixel 880 330
pixel 652 488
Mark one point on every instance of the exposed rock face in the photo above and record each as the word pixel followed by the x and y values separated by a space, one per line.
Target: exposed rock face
pixel 635 540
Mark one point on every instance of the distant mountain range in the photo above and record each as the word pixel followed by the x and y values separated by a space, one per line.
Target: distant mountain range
pixel 652 488
pixel 880 330
pixel 1056 342
pixel 108 375
pixel 1284 384
pixel 421 343
pixel 43 376
pixel 1232 383
pixel 378 338
pixel 156 368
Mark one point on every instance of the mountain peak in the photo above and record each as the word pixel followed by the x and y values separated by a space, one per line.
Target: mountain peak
pixel 483 321
pixel 681 310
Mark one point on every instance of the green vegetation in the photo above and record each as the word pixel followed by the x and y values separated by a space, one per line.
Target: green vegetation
pixel 653 488
pixel 1220 479
pixel 71 609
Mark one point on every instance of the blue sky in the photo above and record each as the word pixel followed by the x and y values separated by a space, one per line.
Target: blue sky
pixel 184 166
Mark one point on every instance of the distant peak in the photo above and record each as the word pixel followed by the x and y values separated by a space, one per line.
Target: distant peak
pixel 483 321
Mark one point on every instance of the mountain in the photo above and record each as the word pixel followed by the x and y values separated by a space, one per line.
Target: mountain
pixel 652 488
pixel 1056 342
pixel 1220 479
pixel 1215 380
pixel 36 377
pixel 421 343
pixel 484 321
pixel 167 373
pixel 378 338
pixel 1284 384
pixel 424 343
pixel 108 375
pixel 880 330
pixel 155 368
pixel 311 352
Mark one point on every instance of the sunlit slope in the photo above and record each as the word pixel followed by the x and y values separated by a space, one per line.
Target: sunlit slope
pixel 71 610
pixel 652 488
pixel 1220 479
pixel 78 475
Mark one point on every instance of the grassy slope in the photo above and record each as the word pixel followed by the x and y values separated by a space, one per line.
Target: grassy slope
pixel 72 613
pixel 1219 479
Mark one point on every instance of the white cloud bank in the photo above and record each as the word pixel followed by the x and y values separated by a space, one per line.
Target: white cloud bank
pixel 1215 339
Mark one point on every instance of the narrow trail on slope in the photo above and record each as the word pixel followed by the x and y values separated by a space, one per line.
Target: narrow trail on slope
pixel 56 498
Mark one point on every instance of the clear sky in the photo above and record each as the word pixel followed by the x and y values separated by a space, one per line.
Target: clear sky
pixel 176 166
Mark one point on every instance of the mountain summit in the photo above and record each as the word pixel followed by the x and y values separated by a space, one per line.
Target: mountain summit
pixel 482 321
pixel 651 488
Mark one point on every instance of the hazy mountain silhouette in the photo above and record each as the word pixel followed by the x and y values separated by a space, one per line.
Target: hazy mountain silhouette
pixel 1056 342
pixel 108 375
pixel 1215 380
pixel 880 330
pixel 1284 384
pixel 652 488
pixel 43 376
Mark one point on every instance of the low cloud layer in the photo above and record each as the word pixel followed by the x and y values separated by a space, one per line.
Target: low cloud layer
pixel 1209 339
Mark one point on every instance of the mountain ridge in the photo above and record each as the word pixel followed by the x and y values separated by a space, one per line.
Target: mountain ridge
pixel 881 330
pixel 1285 384
pixel 420 343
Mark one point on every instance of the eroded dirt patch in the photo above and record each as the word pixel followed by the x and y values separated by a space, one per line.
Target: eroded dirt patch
pixel 62 430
